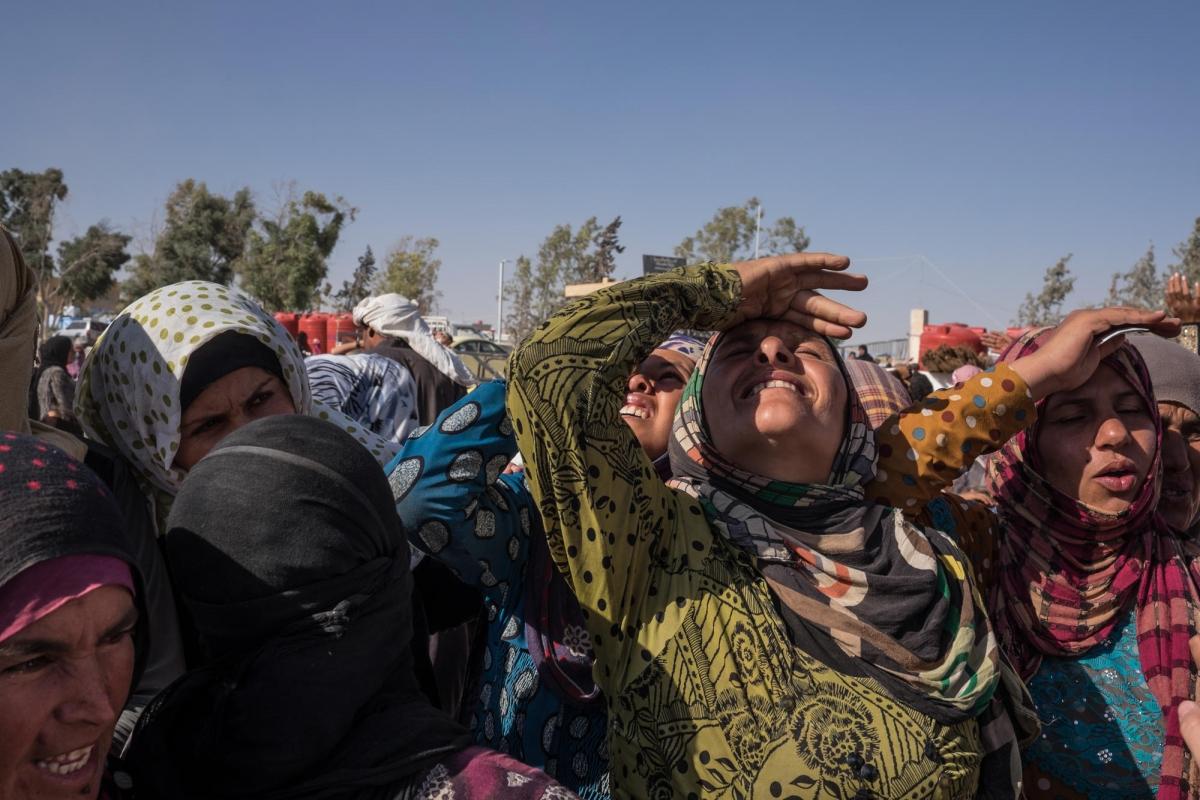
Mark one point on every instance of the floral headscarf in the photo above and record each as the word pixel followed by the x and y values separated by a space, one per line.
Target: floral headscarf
pixel 128 395
pixel 1068 573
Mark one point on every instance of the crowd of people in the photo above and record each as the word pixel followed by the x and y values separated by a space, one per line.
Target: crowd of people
pixel 684 550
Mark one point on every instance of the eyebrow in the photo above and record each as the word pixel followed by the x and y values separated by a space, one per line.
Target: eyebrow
pixel 254 391
pixel 32 647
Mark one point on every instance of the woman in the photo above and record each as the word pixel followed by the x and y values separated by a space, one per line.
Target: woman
pixel 54 388
pixel 370 389
pixel 767 629
pixel 306 689
pixel 538 701
pixel 69 611
pixel 1090 593
pixel 78 356
pixel 185 366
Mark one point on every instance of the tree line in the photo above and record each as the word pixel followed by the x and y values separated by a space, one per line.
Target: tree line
pixel 280 255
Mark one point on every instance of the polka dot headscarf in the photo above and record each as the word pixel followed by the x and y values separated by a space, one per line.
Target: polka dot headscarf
pixel 128 393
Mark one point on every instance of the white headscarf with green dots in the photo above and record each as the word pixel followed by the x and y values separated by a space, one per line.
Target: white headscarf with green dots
pixel 128 395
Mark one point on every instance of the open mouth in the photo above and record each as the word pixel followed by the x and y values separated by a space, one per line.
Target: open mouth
pixel 1118 477
pixel 67 764
pixel 634 411
pixel 636 406
pixel 776 380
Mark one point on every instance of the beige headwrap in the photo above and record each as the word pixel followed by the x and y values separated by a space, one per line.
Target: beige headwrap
pixel 396 316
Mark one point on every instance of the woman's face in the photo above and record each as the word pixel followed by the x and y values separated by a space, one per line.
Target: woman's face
pixel 1096 443
pixel 1180 502
pixel 654 391
pixel 227 404
pixel 63 682
pixel 775 401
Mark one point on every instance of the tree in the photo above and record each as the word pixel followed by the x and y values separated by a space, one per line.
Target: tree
pixel 563 259
pixel 602 261
pixel 1188 253
pixel 358 288
pixel 203 238
pixel 519 297
pixel 287 258
pixel 1140 287
pixel 86 266
pixel 729 236
pixel 1046 308
pixel 412 270
pixel 27 205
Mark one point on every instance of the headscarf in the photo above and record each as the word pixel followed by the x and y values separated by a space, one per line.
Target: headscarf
pixel 53 352
pixel 129 389
pixel 1068 573
pixel 303 609
pixel 873 592
pixel 880 392
pixel 964 373
pixel 550 605
pixel 1174 369
pixel 371 389
pixel 61 536
pixel 18 330
pixel 396 316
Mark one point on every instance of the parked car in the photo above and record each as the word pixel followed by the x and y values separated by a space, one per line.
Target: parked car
pixel 486 359
pixel 88 327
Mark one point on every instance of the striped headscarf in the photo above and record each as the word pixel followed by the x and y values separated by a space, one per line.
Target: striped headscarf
pixel 880 392
pixel 368 388
pixel 884 591
pixel 1068 573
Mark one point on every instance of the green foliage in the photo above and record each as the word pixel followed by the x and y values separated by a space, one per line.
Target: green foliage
pixel 1140 287
pixel 412 270
pixel 1188 253
pixel 1046 307
pixel 729 236
pixel 563 259
pixel 358 288
pixel 520 320
pixel 602 261
pixel 203 238
pixel 27 204
pixel 287 259
pixel 87 263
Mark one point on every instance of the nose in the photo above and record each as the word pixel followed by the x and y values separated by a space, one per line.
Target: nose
pixel 772 351
pixel 87 700
pixel 640 383
pixel 1112 433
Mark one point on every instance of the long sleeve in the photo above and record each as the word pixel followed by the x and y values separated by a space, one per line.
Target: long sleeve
pixel 612 526
pixel 929 444
pixel 454 503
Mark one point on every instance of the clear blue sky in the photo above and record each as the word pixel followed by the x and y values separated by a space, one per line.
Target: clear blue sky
pixel 989 140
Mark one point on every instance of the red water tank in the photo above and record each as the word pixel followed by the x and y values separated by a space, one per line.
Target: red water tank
pixel 338 328
pixel 314 327
pixel 953 334
pixel 289 320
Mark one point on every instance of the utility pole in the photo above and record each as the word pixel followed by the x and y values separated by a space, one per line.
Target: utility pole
pixel 500 302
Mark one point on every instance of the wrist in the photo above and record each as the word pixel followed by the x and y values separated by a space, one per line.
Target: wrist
pixel 1037 375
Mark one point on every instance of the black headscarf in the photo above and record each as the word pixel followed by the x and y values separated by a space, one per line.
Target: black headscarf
pixel 286 550
pixel 52 506
pixel 220 356
pixel 54 352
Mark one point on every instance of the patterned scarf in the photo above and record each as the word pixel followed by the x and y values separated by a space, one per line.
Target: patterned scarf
pixel 129 390
pixel 880 392
pixel 887 593
pixel 1068 573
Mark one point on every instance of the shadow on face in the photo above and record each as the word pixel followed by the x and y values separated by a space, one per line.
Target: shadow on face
pixel 780 397
pixel 1096 444
pixel 1180 501
pixel 226 404
pixel 63 682
pixel 654 391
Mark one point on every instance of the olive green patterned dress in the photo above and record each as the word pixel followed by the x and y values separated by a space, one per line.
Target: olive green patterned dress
pixel 708 696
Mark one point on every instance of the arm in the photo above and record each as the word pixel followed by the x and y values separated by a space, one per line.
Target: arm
pixel 612 526
pixel 447 492
pixel 925 447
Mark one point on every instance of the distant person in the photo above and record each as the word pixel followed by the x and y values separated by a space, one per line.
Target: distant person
pixel 443 338
pixel 316 347
pixel 919 387
pixel 862 355
pixel 391 325
pixel 302 343
pixel 78 354
pixel 54 386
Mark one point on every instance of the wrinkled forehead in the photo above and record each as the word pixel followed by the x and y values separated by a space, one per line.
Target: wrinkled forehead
pixel 753 332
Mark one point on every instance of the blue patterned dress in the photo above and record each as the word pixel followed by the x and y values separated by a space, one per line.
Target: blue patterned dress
pixel 459 509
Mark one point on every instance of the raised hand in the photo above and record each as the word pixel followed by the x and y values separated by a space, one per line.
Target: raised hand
pixel 785 287
pixel 1189 712
pixel 1183 301
pixel 995 341
pixel 1071 354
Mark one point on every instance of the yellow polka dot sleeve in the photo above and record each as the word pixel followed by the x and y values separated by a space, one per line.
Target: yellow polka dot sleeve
pixel 929 444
